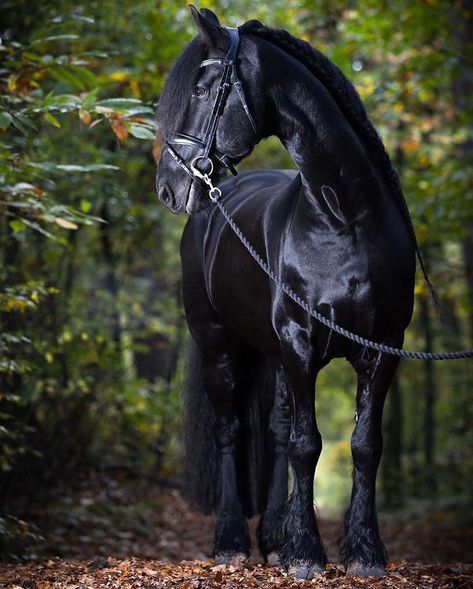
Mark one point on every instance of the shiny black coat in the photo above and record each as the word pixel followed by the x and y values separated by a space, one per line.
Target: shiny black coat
pixel 316 248
pixel 337 232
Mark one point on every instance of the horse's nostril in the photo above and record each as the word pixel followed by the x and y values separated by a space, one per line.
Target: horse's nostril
pixel 163 194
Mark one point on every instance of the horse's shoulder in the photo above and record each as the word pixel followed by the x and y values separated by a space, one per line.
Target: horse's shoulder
pixel 256 182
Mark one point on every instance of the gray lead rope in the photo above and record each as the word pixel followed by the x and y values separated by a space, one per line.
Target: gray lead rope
pixel 263 264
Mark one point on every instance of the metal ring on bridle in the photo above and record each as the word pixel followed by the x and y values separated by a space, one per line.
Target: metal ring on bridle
pixel 196 170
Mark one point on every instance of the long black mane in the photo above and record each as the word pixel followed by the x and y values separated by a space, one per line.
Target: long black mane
pixel 350 104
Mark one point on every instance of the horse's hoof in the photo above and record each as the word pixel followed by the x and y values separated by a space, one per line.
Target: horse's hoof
pixel 236 559
pixel 361 570
pixel 273 559
pixel 305 571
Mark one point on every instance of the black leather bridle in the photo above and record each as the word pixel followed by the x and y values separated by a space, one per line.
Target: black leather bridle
pixel 202 166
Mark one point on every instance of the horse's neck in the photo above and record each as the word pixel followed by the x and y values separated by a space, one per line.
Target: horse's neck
pixel 339 183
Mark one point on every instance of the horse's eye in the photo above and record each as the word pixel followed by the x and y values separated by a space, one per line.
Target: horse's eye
pixel 200 92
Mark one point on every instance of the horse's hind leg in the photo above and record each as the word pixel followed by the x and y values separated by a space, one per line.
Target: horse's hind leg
pixel 231 532
pixel 364 553
pixel 269 529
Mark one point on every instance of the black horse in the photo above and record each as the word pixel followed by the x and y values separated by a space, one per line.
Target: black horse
pixel 338 232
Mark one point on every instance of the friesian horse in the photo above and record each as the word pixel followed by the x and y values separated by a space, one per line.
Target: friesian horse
pixel 337 231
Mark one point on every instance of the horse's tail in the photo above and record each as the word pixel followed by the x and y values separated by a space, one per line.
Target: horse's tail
pixel 200 452
pixel 256 383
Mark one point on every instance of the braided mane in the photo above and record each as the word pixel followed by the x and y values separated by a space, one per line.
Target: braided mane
pixel 347 99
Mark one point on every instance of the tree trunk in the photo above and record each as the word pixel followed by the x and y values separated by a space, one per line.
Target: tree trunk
pixel 468 261
pixel 111 283
pixel 430 395
pixel 462 93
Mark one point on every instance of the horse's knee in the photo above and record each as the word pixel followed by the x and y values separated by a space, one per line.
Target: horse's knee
pixel 220 384
pixel 304 449
pixel 366 448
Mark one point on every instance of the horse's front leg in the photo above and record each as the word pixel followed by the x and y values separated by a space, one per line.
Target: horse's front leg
pixel 231 532
pixel 302 553
pixel 269 529
pixel 363 551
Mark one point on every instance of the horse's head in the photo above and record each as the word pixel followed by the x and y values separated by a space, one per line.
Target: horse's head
pixel 206 114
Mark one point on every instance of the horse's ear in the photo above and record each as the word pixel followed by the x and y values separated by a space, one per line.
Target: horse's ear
pixel 209 28
pixel 209 15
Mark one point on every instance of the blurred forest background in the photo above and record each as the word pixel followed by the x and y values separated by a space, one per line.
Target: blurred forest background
pixel 92 342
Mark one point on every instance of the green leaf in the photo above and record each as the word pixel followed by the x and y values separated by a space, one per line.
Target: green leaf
pixel 65 37
pixel 85 205
pixel 87 77
pixel 51 119
pixel 23 188
pixel 120 103
pixel 51 167
pixel 73 17
pixel 130 112
pixel 5 119
pixel 17 225
pixel 141 132
pixel 37 227
pixel 78 77
pixel 90 99
pixel 59 102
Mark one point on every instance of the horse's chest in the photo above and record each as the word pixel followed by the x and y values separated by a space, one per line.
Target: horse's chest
pixel 242 294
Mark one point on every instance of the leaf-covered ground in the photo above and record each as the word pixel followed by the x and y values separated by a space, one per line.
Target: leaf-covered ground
pixel 132 535
pixel 137 573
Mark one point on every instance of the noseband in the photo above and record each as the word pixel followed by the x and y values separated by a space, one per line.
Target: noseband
pixel 228 80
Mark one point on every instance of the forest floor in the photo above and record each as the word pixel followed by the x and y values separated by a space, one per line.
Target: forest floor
pixel 129 534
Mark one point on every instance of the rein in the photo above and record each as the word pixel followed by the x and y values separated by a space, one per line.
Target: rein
pixel 228 80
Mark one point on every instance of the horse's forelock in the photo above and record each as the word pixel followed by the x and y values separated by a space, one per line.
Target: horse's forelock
pixel 178 88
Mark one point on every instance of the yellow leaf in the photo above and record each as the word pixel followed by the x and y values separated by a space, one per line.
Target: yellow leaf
pixel 85 117
pixel 12 82
pixel 119 129
pixel 118 76
pixel 65 224
pixel 135 89
pixel 424 161
pixel 410 145
pixel 15 305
